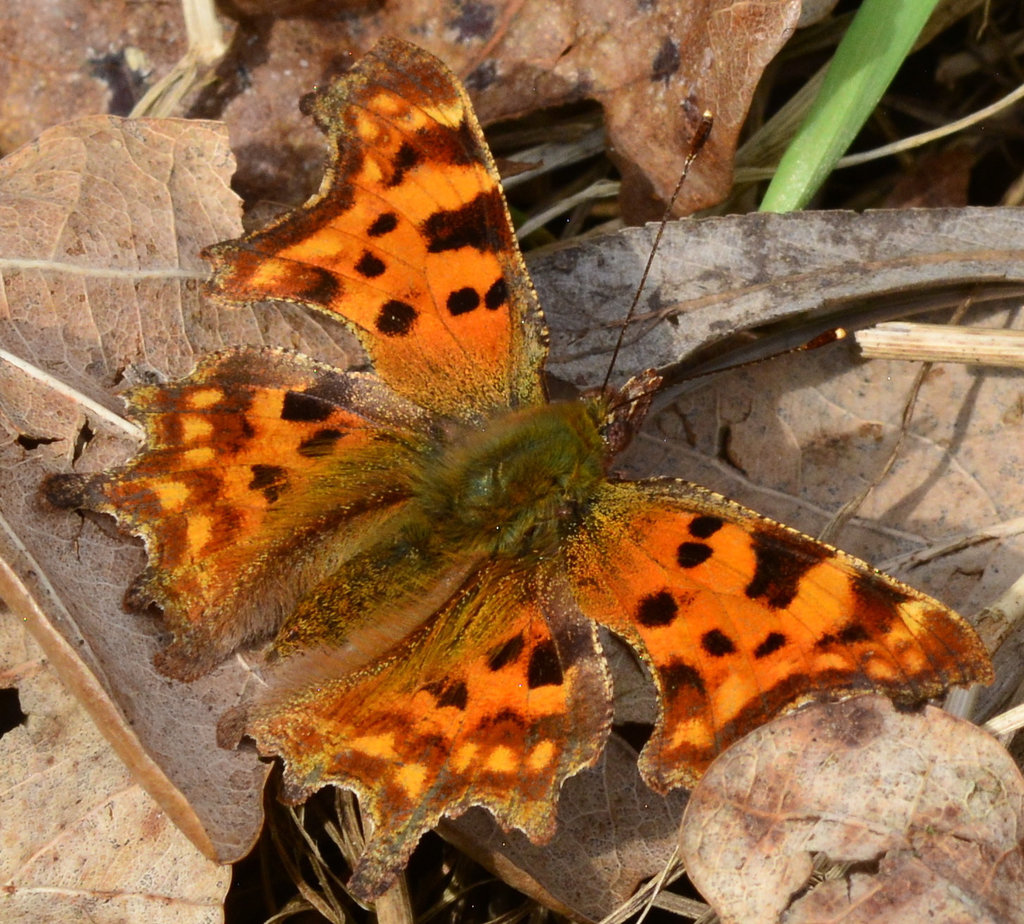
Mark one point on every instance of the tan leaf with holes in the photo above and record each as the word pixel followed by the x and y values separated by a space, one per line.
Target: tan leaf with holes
pixel 80 840
pixel 925 808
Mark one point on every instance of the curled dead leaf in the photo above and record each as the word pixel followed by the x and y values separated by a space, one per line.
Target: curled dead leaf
pixel 927 810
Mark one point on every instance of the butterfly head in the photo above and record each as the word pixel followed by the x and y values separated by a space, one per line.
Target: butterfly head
pixel 621 413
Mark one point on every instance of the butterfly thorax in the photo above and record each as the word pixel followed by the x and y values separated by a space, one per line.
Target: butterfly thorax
pixel 505 488
pixel 510 489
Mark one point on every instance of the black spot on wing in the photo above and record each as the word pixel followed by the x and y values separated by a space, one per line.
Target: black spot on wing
pixel 506 653
pixel 320 443
pixel 406 158
pixel 477 224
pixel 692 554
pixel 463 300
pixel 383 224
pixel 370 266
pixel 443 145
pixel 269 480
pixel 717 644
pixel 396 318
pixel 657 609
pixel 544 669
pixel 704 527
pixel 503 717
pixel 852 633
pixel 313 284
pixel 677 675
pixel 497 295
pixel 771 643
pixel 454 694
pixel 305 408
pixel 780 567
pixel 460 147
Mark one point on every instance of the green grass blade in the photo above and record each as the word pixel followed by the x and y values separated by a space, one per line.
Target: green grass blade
pixel 876 44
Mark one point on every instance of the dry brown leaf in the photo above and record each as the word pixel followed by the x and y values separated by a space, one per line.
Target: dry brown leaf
pixel 518 57
pixel 101 224
pixel 81 840
pixel 928 807
pixel 717 277
pixel 71 59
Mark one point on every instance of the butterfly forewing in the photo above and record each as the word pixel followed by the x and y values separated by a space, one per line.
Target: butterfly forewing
pixel 408 240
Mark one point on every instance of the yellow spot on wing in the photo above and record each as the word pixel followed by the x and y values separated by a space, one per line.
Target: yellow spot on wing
pixel 463 756
pixel 321 248
pixel 204 397
pixel 541 756
pixel 195 428
pixel 198 458
pixel 374 745
pixel 882 670
pixel 267 276
pixel 831 662
pixel 693 734
pixel 412 777
pixel 501 760
pixel 172 495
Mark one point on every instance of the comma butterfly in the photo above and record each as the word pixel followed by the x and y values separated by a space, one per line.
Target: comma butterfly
pixel 433 546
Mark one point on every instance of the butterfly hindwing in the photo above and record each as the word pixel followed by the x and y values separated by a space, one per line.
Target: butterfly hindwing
pixel 738 617
pixel 408 240
pixel 494 701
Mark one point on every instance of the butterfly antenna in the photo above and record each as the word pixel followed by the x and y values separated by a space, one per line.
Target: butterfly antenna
pixel 696 143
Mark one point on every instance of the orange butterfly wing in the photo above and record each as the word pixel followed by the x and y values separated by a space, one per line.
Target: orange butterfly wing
pixel 738 617
pixel 494 701
pixel 408 240
pixel 230 494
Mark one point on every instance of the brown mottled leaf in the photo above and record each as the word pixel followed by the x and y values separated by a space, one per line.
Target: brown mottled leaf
pixel 82 841
pixel 927 808
pixel 520 57
pixel 100 224
pixel 99 59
